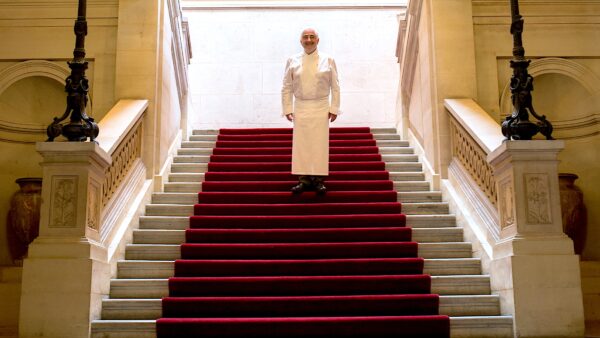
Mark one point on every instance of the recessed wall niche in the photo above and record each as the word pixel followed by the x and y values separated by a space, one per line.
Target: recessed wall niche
pixel 32 101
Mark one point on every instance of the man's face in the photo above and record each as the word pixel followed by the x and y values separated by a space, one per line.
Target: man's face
pixel 309 40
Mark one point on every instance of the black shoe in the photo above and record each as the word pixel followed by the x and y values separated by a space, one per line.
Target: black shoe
pixel 299 188
pixel 320 189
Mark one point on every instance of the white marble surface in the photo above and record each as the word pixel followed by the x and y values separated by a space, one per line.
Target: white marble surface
pixel 239 58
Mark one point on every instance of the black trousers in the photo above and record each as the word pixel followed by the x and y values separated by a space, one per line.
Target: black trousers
pixel 311 180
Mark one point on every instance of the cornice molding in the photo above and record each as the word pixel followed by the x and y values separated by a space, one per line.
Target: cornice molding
pixel 50 10
pixel 553 10
pixel 55 4
pixel 30 68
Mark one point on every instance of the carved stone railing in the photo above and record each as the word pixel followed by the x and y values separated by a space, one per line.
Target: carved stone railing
pixel 121 138
pixel 407 50
pixel 474 135
pixel 123 158
pixel 473 158
pixel 181 48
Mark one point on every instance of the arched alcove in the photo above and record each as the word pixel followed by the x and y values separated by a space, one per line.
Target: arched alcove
pixel 566 92
pixel 33 101
pixel 30 92
pixel 560 97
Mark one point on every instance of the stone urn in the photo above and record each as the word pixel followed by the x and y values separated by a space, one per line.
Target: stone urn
pixel 574 212
pixel 23 223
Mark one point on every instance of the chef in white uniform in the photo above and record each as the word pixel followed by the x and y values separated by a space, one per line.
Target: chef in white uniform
pixel 310 77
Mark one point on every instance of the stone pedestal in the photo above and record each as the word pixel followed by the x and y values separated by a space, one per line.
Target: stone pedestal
pixel 66 273
pixel 536 270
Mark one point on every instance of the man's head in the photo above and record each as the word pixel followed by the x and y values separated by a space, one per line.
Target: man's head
pixel 309 39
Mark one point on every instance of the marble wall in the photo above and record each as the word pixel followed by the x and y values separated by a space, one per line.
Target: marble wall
pixel 239 58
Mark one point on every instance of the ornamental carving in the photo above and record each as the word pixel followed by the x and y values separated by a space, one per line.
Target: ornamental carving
pixel 63 202
pixel 93 207
pixel 506 199
pixel 537 190
pixel 474 159
pixel 123 159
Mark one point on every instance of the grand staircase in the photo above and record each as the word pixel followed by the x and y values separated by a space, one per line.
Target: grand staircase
pixel 135 302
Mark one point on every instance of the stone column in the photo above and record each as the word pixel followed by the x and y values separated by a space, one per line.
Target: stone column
pixel 537 271
pixel 66 273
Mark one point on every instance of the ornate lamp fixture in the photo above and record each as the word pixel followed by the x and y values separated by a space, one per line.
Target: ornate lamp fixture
pixel 517 126
pixel 81 127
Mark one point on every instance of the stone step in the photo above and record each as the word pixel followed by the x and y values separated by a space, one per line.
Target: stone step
pixel 382 151
pixel 205 132
pixel 211 144
pixel 206 158
pixel 460 327
pixel 421 235
pixel 396 150
pixel 383 130
pixel 425 208
pixel 182 222
pixel 194 151
pixel 199 177
pixel 136 309
pixel 194 187
pixel 189 167
pixel 158 288
pixel 150 269
pixel 403 166
pixel 192 197
pixel 411 186
pixel 432 208
pixel 168 252
pixel 376 136
pixel 203 167
pixel 186 177
pixel 216 131
pixel 419 196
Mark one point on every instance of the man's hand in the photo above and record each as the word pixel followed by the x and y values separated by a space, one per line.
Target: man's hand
pixel 332 117
pixel 290 117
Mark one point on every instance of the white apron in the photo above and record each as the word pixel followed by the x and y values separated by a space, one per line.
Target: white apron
pixel 310 149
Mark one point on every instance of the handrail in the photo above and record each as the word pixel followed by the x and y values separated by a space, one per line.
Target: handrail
pixel 121 138
pixel 474 136
pixel 479 124
pixel 115 125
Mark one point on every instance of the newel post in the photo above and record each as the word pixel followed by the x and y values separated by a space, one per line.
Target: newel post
pixel 537 275
pixel 65 275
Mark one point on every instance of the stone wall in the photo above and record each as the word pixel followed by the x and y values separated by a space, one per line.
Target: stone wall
pixel 561 40
pixel 36 43
pixel 473 45
pixel 239 57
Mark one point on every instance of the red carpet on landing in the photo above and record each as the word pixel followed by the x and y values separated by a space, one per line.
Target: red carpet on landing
pixel 261 262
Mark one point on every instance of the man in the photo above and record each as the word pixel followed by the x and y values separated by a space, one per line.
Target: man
pixel 309 79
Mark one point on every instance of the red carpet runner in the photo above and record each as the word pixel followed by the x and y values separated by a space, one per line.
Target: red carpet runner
pixel 261 262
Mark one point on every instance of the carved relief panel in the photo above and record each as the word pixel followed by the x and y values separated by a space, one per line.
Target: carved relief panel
pixel 537 190
pixel 63 202
pixel 93 206
pixel 506 200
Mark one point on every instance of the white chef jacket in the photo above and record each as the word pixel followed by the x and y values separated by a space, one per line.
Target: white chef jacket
pixel 307 83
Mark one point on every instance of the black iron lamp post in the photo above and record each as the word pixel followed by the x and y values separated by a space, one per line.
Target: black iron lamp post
pixel 517 126
pixel 81 126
